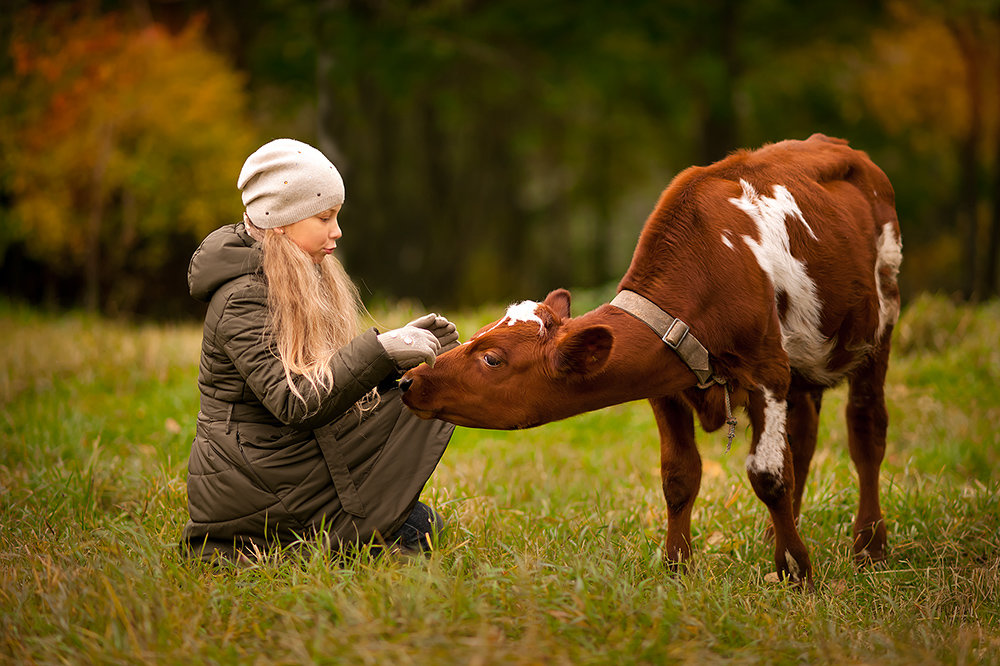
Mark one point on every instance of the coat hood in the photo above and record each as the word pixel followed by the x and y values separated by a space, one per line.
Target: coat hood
pixel 225 254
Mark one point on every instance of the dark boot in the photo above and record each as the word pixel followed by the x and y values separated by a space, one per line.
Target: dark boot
pixel 418 530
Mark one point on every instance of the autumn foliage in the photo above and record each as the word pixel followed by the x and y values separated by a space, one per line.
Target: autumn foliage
pixel 491 150
pixel 114 139
pixel 933 81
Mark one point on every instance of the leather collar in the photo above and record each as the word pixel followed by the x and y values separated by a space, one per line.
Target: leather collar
pixel 674 333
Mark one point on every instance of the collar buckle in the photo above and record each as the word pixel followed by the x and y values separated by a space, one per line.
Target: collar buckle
pixel 675 334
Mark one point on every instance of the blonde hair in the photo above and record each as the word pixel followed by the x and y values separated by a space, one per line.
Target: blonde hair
pixel 313 311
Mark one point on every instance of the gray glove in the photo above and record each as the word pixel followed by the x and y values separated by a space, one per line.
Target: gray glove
pixel 445 331
pixel 410 346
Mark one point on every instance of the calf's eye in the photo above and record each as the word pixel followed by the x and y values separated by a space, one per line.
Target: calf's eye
pixel 492 360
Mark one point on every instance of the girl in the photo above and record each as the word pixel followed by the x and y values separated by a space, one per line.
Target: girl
pixel 301 431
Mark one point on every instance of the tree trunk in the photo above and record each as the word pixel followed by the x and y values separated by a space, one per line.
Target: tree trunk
pixel 968 163
pixel 325 70
pixel 718 122
pixel 446 238
pixel 990 286
pixel 92 240
pixel 602 155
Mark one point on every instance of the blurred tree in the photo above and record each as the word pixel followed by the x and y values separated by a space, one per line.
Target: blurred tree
pixel 460 127
pixel 498 145
pixel 934 79
pixel 494 150
pixel 114 138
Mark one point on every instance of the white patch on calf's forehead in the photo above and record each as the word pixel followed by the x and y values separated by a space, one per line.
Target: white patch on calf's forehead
pixel 523 311
pixel 520 312
pixel 808 349
pixel 725 240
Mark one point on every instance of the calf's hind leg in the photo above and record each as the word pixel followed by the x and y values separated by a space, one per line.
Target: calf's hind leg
pixel 680 472
pixel 803 425
pixel 867 422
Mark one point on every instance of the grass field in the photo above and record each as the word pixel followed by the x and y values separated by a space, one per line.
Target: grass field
pixel 552 554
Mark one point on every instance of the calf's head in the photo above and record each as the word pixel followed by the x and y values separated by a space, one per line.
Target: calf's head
pixel 523 370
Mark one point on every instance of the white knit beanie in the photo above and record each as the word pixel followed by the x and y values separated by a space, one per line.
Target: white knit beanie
pixel 285 181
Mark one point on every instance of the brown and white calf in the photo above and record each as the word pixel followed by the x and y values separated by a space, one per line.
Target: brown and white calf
pixel 780 267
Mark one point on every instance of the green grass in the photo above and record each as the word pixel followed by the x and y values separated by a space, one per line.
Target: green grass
pixel 553 550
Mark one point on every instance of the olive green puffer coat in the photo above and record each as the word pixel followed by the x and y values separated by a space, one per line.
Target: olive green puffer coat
pixel 267 467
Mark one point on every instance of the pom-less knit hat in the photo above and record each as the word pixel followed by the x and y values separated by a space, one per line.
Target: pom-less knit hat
pixel 285 181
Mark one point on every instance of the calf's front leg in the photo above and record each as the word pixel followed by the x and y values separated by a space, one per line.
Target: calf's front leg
pixel 770 470
pixel 680 472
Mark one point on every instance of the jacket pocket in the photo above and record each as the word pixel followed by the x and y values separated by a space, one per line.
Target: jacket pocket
pixel 336 464
pixel 249 466
pixel 223 486
pixel 282 519
pixel 213 451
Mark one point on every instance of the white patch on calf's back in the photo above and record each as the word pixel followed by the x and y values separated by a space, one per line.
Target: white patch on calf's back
pixel 769 456
pixel 773 209
pixel 807 348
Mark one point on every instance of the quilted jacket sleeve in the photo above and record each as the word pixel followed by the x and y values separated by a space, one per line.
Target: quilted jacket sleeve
pixel 357 368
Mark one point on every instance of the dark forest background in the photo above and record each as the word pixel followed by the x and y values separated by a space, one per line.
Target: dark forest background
pixel 491 150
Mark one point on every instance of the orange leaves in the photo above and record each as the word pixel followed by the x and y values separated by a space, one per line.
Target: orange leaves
pixel 918 78
pixel 139 130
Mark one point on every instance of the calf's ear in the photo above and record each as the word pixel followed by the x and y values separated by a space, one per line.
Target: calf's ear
pixel 583 351
pixel 558 300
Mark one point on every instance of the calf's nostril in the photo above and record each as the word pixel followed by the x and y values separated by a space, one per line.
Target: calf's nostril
pixel 404 384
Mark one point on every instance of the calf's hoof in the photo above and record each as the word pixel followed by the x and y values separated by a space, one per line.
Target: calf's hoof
pixel 794 569
pixel 804 585
pixel 676 559
pixel 869 545
pixel 867 558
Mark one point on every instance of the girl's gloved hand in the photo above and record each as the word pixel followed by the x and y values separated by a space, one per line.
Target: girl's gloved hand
pixel 410 346
pixel 445 331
